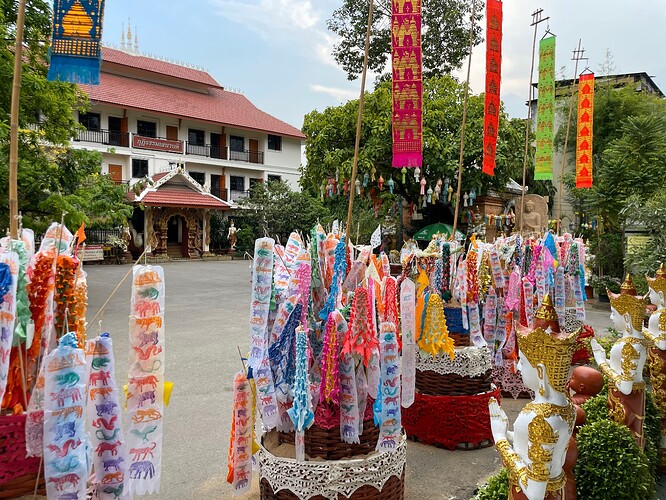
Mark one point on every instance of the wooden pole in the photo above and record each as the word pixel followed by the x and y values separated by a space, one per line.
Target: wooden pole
pixel 357 145
pixel 577 57
pixel 14 123
pixel 464 120
pixel 536 20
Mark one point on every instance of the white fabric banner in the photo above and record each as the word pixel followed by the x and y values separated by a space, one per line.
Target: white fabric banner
pixel 408 325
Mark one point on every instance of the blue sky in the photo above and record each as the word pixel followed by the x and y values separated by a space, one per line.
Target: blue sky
pixel 277 52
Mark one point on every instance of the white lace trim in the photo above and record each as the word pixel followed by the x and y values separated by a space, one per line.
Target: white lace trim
pixel 467 362
pixel 332 477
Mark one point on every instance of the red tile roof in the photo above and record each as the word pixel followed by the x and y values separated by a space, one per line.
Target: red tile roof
pixel 182 196
pixel 156 66
pixel 216 106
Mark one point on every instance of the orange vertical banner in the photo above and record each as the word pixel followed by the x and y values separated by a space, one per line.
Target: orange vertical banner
pixel 584 142
pixel 493 77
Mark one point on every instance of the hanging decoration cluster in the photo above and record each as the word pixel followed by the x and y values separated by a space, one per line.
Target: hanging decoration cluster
pixel 76 48
pixel 585 130
pixel 543 169
pixel 407 83
pixel 493 79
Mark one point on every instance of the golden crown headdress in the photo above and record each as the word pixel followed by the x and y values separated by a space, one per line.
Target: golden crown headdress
pixel 658 283
pixel 554 351
pixel 626 302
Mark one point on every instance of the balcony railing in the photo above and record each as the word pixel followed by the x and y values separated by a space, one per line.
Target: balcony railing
pixel 108 137
pixel 112 138
pixel 222 194
pixel 237 195
pixel 247 156
pixel 207 150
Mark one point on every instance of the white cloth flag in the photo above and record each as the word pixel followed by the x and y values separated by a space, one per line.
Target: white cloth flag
pixel 408 325
pixel 7 315
pixel 145 393
pixel 376 238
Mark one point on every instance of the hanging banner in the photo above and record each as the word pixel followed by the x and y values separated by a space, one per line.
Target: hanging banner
pixel 493 78
pixel 76 51
pixel 145 391
pixel 543 170
pixel 407 85
pixel 584 141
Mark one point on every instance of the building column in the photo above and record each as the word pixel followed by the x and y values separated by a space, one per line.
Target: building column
pixel 205 224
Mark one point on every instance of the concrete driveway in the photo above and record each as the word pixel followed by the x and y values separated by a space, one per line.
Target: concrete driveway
pixel 206 319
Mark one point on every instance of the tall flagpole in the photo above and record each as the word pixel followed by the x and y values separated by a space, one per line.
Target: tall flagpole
pixel 464 120
pixel 536 20
pixel 577 56
pixel 14 123
pixel 358 123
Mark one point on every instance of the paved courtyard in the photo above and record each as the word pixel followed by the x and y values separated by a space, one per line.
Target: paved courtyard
pixel 206 319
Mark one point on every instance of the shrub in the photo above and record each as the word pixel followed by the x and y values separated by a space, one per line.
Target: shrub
pixel 596 408
pixel 497 487
pixel 610 464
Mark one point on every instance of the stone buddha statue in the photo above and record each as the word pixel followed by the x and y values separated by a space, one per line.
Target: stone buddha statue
pixel 656 335
pixel 626 391
pixel 536 451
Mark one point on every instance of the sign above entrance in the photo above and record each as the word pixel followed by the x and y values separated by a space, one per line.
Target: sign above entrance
pixel 167 145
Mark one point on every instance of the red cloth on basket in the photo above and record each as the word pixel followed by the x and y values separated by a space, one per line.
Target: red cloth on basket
pixel 13 461
pixel 448 421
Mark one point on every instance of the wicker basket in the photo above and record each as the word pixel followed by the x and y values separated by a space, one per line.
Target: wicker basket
pixel 17 473
pixel 394 489
pixel 435 384
pixel 325 443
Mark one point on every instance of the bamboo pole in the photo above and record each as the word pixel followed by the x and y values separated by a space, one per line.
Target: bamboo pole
pixel 577 57
pixel 464 120
pixel 358 123
pixel 536 20
pixel 14 123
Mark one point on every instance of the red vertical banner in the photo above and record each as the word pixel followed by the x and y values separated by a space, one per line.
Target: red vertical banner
pixel 407 85
pixel 584 136
pixel 493 78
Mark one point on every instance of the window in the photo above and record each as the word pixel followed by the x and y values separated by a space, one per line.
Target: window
pixel 196 137
pixel 237 143
pixel 200 177
pixel 237 183
pixel 274 178
pixel 146 129
pixel 91 121
pixel 139 168
pixel 274 142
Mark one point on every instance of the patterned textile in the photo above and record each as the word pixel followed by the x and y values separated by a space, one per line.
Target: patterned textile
pixel 493 78
pixel 545 111
pixel 584 142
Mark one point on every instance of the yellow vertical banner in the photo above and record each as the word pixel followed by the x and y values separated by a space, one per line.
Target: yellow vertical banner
pixel 584 136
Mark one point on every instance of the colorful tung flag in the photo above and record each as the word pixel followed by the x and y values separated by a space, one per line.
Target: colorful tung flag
pixel 493 77
pixel 76 52
pixel 543 170
pixel 584 142
pixel 407 85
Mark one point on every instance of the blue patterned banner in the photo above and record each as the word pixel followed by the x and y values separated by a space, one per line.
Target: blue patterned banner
pixel 76 46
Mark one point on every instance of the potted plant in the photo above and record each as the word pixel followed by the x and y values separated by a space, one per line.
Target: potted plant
pixel 600 284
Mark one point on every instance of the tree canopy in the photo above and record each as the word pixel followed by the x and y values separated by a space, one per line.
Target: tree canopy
pixel 330 136
pixel 445 36
pixel 52 178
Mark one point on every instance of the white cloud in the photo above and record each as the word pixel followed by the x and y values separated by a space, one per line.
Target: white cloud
pixel 340 94
pixel 268 17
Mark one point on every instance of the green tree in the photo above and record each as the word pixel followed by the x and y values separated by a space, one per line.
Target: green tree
pixel 445 36
pixel 330 136
pixel 273 209
pixel 52 178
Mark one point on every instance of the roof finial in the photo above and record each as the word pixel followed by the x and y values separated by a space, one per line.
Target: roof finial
pixel 129 33
pixel 122 37
pixel 136 39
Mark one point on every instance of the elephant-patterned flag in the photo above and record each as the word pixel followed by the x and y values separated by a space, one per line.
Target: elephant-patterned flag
pixel 76 51
pixel 493 78
pixel 407 83
pixel 145 393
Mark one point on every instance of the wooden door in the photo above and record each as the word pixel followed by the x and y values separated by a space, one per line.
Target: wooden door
pixel 254 151
pixel 172 133
pixel 116 173
pixel 124 132
pixel 223 188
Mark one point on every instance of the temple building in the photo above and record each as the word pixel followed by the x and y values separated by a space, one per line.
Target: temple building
pixel 183 144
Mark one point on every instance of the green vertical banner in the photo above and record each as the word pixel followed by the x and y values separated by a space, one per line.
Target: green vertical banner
pixel 543 170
